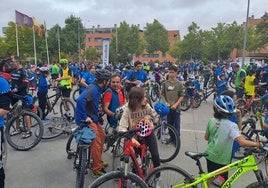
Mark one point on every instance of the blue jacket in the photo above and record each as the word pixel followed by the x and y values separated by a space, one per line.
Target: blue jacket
pixel 87 104
pixel 42 85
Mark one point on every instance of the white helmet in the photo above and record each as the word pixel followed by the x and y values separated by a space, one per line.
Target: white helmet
pixel 44 69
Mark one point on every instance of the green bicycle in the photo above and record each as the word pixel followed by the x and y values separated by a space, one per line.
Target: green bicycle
pixel 175 177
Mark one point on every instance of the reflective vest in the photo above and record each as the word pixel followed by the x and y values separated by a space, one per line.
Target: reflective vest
pixel 249 85
pixel 68 82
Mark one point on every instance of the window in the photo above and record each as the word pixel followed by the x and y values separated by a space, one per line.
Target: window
pixel 98 39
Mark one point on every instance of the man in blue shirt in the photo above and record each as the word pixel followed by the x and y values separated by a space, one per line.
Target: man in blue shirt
pixel 87 109
pixel 138 77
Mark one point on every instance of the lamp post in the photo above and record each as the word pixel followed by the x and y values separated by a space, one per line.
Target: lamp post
pixel 245 37
pixel 85 33
pixel 78 40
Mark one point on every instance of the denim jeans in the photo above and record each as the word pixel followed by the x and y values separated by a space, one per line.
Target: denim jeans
pixel 174 119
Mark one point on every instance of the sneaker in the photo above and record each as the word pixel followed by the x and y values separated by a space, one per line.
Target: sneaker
pixel 45 119
pixel 99 173
pixel 105 164
pixel 27 134
pixel 15 132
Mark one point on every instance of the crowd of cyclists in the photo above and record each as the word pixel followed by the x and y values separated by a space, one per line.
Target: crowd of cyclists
pixel 104 89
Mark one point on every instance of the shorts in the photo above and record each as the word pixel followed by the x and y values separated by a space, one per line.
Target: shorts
pixel 66 92
pixel 5 101
pixel 54 76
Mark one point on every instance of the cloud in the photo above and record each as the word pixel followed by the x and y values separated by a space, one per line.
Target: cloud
pixel 173 14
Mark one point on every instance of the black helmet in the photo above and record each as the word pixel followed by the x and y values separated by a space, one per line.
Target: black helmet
pixel 103 74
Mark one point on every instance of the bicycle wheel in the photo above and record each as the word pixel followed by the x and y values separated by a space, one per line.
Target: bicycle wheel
pixel 241 105
pixel 118 179
pixel 117 151
pixel 155 93
pixel 54 128
pixel 67 106
pixel 19 123
pixel 257 185
pixel 197 101
pixel 71 147
pixel 185 103
pixel 168 142
pixel 168 176
pixel 76 94
pixel 81 167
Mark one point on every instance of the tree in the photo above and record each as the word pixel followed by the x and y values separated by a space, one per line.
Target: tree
pixel 156 37
pixel 92 54
pixel 191 44
pixel 127 43
pixel 175 50
pixel 262 30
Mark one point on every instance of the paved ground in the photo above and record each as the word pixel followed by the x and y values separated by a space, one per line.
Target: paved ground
pixel 46 165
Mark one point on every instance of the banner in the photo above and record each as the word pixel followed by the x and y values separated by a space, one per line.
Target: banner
pixel 23 20
pixel 105 52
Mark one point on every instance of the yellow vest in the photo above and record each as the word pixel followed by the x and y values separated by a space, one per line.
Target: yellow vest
pixel 249 85
pixel 66 82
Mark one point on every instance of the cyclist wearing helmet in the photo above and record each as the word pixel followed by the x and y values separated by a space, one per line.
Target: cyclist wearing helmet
pixel 87 108
pixel 221 133
pixel 43 85
pixel 65 78
pixel 136 111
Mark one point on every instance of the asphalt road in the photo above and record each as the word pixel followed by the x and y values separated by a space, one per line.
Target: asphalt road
pixel 47 166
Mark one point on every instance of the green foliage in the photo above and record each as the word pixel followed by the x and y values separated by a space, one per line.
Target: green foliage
pixel 175 50
pixel 156 37
pixel 92 54
pixel 262 30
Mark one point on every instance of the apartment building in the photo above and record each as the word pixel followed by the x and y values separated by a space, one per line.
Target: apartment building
pixel 95 35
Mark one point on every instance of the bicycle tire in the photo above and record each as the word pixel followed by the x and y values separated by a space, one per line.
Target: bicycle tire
pixel 51 130
pixel 154 94
pixel 185 103
pixel 71 147
pixel 63 109
pixel 76 94
pixel 197 101
pixel 257 185
pixel 169 176
pixel 114 179
pixel 81 167
pixel 231 83
pixel 37 129
pixel 162 133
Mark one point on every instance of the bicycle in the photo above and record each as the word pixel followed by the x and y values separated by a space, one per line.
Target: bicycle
pixel 81 153
pixel 164 132
pixel 58 126
pixel 177 177
pixel 16 120
pixel 76 93
pixel 66 105
pixel 155 90
pixel 121 177
pixel 187 101
pixel 250 104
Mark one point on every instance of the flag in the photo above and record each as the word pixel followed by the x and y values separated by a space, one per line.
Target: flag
pixel 38 27
pixel 23 20
pixel 45 29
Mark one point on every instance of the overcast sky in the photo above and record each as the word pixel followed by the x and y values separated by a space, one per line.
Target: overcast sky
pixel 173 14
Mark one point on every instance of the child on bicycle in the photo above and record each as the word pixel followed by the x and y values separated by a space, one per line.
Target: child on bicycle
pixel 138 109
pixel 221 133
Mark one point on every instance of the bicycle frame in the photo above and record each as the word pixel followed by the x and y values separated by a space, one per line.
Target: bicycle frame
pixel 242 166
pixel 129 151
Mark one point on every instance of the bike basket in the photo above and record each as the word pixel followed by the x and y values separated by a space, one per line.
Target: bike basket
pixel 84 135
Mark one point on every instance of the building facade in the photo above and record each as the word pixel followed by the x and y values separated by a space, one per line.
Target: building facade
pixel 95 35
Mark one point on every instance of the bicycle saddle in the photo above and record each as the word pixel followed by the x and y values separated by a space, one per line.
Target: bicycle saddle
pixel 194 155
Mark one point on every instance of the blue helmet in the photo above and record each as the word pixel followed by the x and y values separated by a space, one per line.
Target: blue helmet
pixel 161 108
pixel 224 104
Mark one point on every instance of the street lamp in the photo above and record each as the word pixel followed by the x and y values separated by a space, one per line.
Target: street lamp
pixel 245 37
pixel 85 33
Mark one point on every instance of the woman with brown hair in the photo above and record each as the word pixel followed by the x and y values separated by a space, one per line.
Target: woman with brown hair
pixel 136 111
